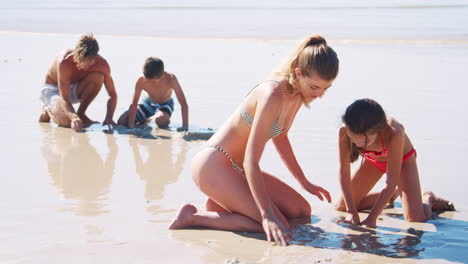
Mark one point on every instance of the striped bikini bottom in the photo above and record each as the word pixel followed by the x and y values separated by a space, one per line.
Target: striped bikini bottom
pixel 233 163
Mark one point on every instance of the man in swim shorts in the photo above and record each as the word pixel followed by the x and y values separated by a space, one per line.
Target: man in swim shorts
pixel 76 76
pixel 158 85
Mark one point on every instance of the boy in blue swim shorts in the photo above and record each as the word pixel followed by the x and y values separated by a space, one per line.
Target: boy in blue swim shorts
pixel 158 85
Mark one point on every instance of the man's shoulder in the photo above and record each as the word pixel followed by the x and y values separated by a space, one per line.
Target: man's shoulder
pixel 101 65
pixel 64 60
pixel 64 56
pixel 101 61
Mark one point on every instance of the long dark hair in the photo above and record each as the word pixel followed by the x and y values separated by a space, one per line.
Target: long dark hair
pixel 361 117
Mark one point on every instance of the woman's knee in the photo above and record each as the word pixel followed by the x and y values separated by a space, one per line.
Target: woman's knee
pixel 300 209
pixel 305 210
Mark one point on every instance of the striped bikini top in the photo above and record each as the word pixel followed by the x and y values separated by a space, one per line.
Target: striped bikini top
pixel 275 129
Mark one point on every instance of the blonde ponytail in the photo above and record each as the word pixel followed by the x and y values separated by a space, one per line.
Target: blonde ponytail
pixel 312 54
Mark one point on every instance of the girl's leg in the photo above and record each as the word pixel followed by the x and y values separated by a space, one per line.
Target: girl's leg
pixel 363 180
pixel 369 200
pixel 413 208
pixel 213 173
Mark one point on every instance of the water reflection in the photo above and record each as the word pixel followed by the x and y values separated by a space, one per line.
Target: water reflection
pixel 398 244
pixel 164 162
pixel 445 242
pixel 77 169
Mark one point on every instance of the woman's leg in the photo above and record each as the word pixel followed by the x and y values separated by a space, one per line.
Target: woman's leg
pixel 230 191
pixel 363 180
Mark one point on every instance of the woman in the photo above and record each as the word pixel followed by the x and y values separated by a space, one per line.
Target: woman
pixel 385 148
pixel 242 197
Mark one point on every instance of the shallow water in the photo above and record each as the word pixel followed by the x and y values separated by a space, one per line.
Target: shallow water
pixel 336 19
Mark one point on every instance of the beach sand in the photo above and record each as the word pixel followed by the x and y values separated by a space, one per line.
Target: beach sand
pixel 108 196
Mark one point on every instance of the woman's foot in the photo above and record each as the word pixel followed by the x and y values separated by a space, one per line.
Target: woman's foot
pixel 438 203
pixel 183 218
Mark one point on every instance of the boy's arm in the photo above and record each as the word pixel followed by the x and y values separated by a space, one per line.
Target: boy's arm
pixel 182 101
pixel 133 107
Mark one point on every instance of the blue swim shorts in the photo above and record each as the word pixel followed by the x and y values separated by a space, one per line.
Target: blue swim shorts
pixel 147 108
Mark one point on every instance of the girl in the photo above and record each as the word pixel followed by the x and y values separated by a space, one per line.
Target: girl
pixel 241 196
pixel 385 148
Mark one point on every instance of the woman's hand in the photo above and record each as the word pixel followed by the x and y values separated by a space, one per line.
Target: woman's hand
pixel 275 230
pixel 317 191
pixel 370 222
pixel 352 218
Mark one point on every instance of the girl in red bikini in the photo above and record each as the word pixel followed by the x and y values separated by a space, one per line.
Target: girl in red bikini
pixel 385 148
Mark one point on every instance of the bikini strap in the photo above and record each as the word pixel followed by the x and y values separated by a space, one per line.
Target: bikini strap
pixel 382 142
pixel 282 94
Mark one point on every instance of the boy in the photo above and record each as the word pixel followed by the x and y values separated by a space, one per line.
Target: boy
pixel 159 85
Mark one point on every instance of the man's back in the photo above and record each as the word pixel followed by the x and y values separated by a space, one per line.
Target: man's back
pixel 70 71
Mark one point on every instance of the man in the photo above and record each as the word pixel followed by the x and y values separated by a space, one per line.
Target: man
pixel 76 76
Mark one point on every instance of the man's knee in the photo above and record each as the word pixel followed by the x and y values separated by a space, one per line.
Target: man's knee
pixel 57 114
pixel 93 80
pixel 90 86
pixel 95 77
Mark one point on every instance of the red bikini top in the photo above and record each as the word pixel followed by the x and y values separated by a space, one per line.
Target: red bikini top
pixel 382 153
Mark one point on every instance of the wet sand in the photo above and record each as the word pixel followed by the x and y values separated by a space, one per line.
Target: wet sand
pixel 105 196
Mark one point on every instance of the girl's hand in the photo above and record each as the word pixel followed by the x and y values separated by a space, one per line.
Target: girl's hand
pixel 275 230
pixel 370 222
pixel 353 218
pixel 317 191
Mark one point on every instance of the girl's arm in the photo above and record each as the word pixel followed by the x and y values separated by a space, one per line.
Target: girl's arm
pixel 284 148
pixel 394 162
pixel 267 110
pixel 345 175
